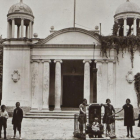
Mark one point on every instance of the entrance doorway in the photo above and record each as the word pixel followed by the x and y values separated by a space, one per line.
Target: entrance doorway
pixel 73 90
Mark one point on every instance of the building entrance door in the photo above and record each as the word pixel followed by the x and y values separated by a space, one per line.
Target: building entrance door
pixel 72 90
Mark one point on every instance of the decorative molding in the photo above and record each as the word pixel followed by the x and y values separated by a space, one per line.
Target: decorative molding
pixel 20 16
pixel 135 18
pixel 130 77
pixel 15 76
pixel 85 46
pixel 22 13
pixel 128 12
pixel 58 60
pixel 114 62
pixel 105 61
pixel 35 60
pixel 46 60
pixel 87 60
pixel 68 30
pixel 98 61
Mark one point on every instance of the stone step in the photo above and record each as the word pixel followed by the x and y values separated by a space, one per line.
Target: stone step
pixel 50 114
pixel 55 112
pixel 56 116
pixel 48 117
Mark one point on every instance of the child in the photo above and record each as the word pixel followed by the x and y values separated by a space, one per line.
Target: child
pixel 3 120
pixel 82 115
pixel 138 119
pixel 96 128
pixel 17 120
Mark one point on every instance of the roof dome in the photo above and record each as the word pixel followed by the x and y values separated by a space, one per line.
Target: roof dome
pixel 127 7
pixel 20 8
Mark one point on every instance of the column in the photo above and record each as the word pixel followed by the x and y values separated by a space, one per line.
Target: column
pixel 87 80
pixel 124 27
pixel 18 31
pixel 22 28
pixel 135 27
pixel 30 29
pixel 110 81
pixel 27 31
pixel 35 83
pixel 8 29
pixel 13 28
pixel 46 84
pixel 100 98
pixel 118 30
pixel 58 84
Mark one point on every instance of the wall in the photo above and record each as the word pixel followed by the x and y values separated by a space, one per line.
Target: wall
pixel 125 90
pixel 72 38
pixel 16 58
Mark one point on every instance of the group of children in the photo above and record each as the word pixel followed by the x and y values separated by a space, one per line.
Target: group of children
pixel 96 127
pixel 16 120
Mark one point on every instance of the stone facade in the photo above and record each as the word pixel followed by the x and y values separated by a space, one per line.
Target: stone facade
pixel 42 65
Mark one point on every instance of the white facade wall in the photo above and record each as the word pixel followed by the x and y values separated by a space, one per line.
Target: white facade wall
pixel 125 90
pixel 16 58
pixel 111 75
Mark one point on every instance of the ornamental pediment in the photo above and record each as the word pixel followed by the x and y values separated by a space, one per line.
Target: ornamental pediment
pixel 71 36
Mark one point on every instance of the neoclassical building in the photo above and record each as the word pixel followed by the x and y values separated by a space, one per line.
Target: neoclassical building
pixel 66 66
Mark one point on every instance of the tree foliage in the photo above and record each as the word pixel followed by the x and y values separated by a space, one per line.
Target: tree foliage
pixel 137 86
pixel 121 44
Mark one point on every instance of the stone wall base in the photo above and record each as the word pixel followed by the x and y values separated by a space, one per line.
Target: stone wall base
pixel 10 110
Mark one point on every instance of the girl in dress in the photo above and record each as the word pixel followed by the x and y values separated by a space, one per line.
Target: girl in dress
pixel 128 117
pixel 82 115
pixel 109 109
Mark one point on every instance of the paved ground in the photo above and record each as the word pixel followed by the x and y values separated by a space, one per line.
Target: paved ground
pixel 58 129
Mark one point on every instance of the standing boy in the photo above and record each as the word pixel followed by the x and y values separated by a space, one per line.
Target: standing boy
pixel 17 120
pixel 3 120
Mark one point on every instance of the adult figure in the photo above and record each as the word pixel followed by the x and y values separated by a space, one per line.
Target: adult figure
pixel 108 118
pixel 128 117
pixel 17 120
pixel 82 115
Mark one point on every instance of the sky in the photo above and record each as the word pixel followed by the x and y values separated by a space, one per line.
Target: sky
pixel 60 14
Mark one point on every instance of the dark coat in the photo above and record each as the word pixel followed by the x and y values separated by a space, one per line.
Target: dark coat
pixel 138 120
pixel 17 116
pixel 128 115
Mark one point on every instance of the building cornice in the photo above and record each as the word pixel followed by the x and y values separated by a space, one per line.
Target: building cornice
pixel 129 12
pixel 20 13
pixel 54 45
